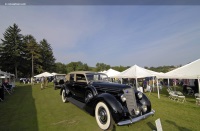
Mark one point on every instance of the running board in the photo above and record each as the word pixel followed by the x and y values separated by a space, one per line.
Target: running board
pixel 76 102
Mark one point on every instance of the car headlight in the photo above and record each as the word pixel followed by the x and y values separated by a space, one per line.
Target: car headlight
pixel 123 98
pixel 139 94
pixel 137 111
pixel 144 108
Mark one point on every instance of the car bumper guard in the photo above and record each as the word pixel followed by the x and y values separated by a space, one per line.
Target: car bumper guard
pixel 136 119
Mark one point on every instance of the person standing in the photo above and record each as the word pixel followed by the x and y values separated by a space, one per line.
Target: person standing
pixel 42 82
pixel 45 82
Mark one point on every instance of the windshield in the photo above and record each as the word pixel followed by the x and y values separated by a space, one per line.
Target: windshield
pixel 59 77
pixel 96 77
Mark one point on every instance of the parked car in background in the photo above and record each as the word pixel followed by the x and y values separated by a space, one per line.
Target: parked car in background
pixel 59 80
pixel 110 103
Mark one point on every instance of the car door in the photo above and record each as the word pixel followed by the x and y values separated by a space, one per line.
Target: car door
pixel 80 86
pixel 71 83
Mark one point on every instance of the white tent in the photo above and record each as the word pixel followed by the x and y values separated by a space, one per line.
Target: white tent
pixel 157 74
pixel 57 74
pixel 134 72
pixel 139 72
pixel 54 73
pixel 3 74
pixel 111 73
pixel 45 74
pixel 6 74
pixel 188 71
pixel 103 71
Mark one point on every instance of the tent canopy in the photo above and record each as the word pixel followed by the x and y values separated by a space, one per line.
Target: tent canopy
pixel 188 71
pixel 135 72
pixel 6 74
pixel 157 74
pixel 111 73
pixel 57 74
pixel 45 74
pixel 103 71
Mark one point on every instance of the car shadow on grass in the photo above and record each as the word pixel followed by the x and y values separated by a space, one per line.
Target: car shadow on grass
pixel 18 111
pixel 151 126
pixel 180 128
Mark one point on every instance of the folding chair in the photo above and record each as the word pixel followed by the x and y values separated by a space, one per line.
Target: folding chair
pixel 198 101
pixel 181 97
pixel 173 96
pixel 197 96
pixel 9 91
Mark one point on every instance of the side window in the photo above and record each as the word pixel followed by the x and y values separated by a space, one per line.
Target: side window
pixel 80 78
pixel 71 77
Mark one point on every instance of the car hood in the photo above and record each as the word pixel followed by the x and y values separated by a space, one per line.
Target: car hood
pixel 109 86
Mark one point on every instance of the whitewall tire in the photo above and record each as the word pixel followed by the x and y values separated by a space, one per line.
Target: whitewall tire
pixel 64 97
pixel 103 116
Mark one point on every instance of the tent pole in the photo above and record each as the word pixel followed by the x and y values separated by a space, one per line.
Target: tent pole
pixel 168 82
pixel 153 83
pixel 136 84
pixel 199 83
pixel 158 89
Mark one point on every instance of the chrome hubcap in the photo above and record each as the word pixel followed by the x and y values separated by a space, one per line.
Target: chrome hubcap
pixel 102 115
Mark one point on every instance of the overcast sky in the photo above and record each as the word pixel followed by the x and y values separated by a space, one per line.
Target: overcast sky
pixel 115 35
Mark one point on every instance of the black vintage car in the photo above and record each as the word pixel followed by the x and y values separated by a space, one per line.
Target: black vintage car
pixel 110 103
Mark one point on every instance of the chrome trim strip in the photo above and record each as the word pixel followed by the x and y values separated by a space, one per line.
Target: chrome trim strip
pixel 136 119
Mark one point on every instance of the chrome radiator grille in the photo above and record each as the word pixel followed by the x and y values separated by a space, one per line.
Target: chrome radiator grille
pixel 130 100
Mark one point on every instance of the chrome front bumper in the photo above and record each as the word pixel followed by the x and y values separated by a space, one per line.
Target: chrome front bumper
pixel 136 119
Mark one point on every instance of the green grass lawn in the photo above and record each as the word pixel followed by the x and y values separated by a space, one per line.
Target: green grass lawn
pixel 31 109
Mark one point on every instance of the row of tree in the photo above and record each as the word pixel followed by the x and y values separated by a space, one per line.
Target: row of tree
pixel 23 56
pixel 79 66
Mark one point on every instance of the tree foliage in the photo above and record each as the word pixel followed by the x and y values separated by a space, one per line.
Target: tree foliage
pixel 77 66
pixel 60 68
pixel 11 49
pixel 163 69
pixel 46 52
pixel 32 54
pixel 120 68
pixel 102 67
pixel 17 52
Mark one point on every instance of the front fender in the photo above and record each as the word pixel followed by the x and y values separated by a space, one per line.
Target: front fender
pixel 145 101
pixel 113 104
pixel 62 88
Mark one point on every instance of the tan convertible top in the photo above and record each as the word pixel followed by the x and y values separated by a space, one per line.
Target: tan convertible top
pixel 77 72
pixel 81 72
